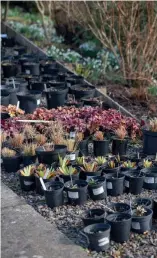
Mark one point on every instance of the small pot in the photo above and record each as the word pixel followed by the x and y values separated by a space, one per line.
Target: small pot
pixel 141 224
pixel 29 101
pixel 88 175
pixel 110 170
pixel 9 69
pixel 27 182
pixel 12 93
pixel 8 42
pixel 31 68
pixel 150 180
pixel 101 148
pixel 76 196
pixel 48 64
pixel 48 157
pixel 4 98
pixel 54 194
pixel 39 189
pixel 119 207
pixel 28 160
pixel 19 50
pixel 98 191
pixel 11 164
pixel 115 184
pixel 4 115
pixel 145 202
pixel 120 226
pixel 55 98
pixel 56 84
pixel 83 147
pixel 134 182
pixel 20 84
pixel 73 80
pixel 93 216
pixel 37 86
pixel 119 147
pixel 67 178
pixel 98 236
pixel 149 142
pixel 82 90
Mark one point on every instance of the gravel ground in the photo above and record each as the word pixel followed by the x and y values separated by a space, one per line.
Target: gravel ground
pixel 68 220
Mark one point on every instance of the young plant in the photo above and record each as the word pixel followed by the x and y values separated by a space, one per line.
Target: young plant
pixel 111 164
pixel 147 163
pixel 139 211
pixel 27 171
pixel 99 136
pixel 71 144
pixel 40 139
pixel 29 132
pixel 153 125
pixel 67 170
pixel 121 132
pixel 55 132
pixel 6 152
pixel 92 181
pixel 46 173
pixel 29 149
pixel 100 160
pixel 17 140
pixel 89 166
pixel 63 162
pixel 129 164
pixel 80 160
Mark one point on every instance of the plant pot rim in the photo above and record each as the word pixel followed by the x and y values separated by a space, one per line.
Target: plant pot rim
pixel 149 212
pixel 127 217
pixel 103 226
pixel 87 212
pixel 75 181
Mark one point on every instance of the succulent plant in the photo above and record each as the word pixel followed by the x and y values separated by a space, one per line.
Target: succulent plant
pixel 27 171
pixel 129 164
pixel 6 152
pixel 111 164
pixel 89 166
pixel 43 171
pixel 80 160
pixel 100 160
pixel 67 170
pixel 147 163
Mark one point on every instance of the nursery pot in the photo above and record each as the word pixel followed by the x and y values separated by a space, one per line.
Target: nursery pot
pixel 134 182
pixel 101 148
pixel 54 194
pixel 11 164
pixel 118 208
pixel 4 115
pixel 31 68
pixel 82 90
pixel 145 202
pixel 8 42
pixel 55 98
pixel 73 80
pixel 48 157
pixel 37 86
pixel 83 147
pixel 115 184
pixel 110 170
pixel 119 147
pixel 20 84
pixel 76 196
pixel 155 208
pixel 5 97
pixel 28 160
pixel 12 93
pixel 9 69
pixel 98 236
pixel 66 178
pixel 29 101
pixel 149 142
pixel 97 191
pixel 19 50
pixel 56 84
pixel 150 180
pixel 27 182
pixel 94 216
pixel 39 189
pixel 88 175
pixel 141 224
pixel 120 226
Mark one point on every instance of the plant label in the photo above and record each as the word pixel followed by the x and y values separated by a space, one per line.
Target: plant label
pixel 27 71
pixel 98 191
pixel 88 178
pixel 71 156
pixel 149 180
pixel 103 241
pixel 72 134
pixel 109 185
pixel 73 195
pixel 126 183
pixel 28 183
pixel 135 225
pixel 38 101
pixel 16 53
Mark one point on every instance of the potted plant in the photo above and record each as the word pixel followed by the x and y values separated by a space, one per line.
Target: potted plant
pixel 72 147
pixel 119 143
pixel 10 69
pixel 31 68
pixel 100 144
pixel 55 97
pixel 76 191
pixel 11 160
pixel 46 173
pixel 29 154
pixel 97 188
pixel 111 167
pixel 101 161
pixel 141 220
pixel 82 90
pixel 54 194
pixel 89 170
pixel 128 166
pixel 120 226
pixel 150 137
pixel 29 133
pixel 145 202
pixel 16 141
pixel 93 216
pixel 67 172
pixel 114 183
pixel 99 236
pixel 118 207
pixel 40 139
pixel 29 101
pixel 150 172
pixel 134 181
pixel 27 179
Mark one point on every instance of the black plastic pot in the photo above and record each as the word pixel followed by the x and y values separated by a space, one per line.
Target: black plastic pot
pixel 141 224
pixel 55 98
pixel 149 142
pixel 4 115
pixel 93 216
pixel 29 101
pixel 76 196
pixel 120 226
pixel 56 84
pixel 150 180
pixel 4 98
pixel 110 170
pixel 155 208
pixel 98 236
pixel 28 160
pixel 31 68
pixel 119 147
pixel 27 59
pixel 82 90
pixel 134 182
pixel 12 93
pixel 37 86
pixel 83 147
pixel 20 50
pixel 145 202
pixel 39 189
pixel 115 184
pixel 27 182
pixel 54 194
pixel 88 175
pixel 53 71
pixel 9 69
pixel 49 66
pixel 66 178
pixel 48 157
pixel 20 84
pixel 73 80
pixel 118 207
pixel 11 164
pixel 101 148
pixel 48 77
pixel 98 191
pixel 8 42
